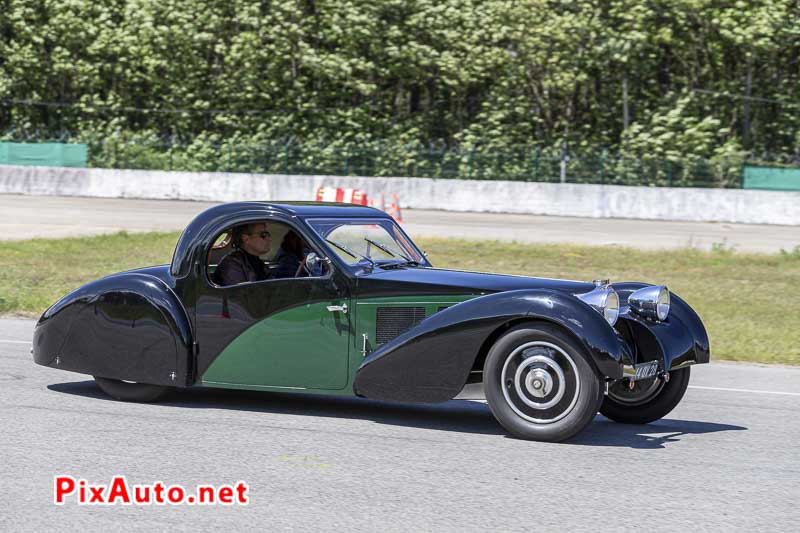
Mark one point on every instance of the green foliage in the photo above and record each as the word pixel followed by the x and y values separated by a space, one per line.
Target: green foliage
pixel 722 248
pixel 793 254
pixel 343 74
pixel 676 130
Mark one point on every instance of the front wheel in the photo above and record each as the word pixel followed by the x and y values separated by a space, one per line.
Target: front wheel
pixel 130 391
pixel 648 401
pixel 539 383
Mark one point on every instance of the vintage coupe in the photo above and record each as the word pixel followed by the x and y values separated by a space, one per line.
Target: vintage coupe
pixel 368 315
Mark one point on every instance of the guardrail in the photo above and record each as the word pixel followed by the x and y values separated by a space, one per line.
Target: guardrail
pixel 562 199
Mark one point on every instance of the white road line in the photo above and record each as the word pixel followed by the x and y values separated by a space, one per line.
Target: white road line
pixel 15 342
pixel 746 390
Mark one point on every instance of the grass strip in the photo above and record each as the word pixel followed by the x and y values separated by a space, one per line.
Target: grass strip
pixel 750 303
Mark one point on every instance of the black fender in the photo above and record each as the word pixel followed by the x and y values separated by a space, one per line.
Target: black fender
pixel 127 326
pixel 431 362
pixel 680 340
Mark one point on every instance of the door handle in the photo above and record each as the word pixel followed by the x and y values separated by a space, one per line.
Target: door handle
pixel 334 308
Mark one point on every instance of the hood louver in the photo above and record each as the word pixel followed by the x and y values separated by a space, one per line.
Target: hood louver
pixel 392 321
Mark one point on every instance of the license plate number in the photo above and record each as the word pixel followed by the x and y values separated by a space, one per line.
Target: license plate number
pixel 646 370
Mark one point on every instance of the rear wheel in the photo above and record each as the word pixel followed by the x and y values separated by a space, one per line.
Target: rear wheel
pixel 130 391
pixel 648 401
pixel 539 383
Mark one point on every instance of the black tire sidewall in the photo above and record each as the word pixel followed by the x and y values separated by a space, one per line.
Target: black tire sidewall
pixel 654 409
pixel 589 396
pixel 131 392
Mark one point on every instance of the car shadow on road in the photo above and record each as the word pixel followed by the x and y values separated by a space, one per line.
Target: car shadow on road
pixel 605 432
pixel 456 415
pixel 459 416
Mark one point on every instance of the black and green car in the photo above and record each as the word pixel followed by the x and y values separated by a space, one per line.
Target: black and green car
pixel 368 315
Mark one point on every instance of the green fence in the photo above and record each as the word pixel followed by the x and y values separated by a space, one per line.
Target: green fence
pixel 386 159
pixel 380 158
pixel 771 178
pixel 43 154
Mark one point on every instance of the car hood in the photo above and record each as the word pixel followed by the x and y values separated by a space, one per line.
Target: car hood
pixel 442 281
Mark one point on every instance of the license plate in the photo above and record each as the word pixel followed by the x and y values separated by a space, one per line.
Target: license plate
pixel 646 370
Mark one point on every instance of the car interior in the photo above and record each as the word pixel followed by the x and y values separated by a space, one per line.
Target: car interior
pixel 223 245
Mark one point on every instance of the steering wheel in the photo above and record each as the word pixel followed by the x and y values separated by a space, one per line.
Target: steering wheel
pixel 308 264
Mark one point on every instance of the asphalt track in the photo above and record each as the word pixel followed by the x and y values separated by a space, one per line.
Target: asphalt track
pixel 55 217
pixel 725 460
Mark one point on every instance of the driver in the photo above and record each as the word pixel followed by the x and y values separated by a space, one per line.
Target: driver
pixel 290 256
pixel 244 264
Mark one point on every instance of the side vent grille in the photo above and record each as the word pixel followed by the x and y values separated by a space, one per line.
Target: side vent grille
pixel 392 321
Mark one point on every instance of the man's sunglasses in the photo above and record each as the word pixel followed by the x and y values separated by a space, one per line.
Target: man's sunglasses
pixel 262 234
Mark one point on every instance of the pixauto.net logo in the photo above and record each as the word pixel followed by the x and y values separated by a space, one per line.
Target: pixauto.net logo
pixel 120 492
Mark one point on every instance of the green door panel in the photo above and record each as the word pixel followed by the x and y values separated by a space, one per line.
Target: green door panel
pixel 305 347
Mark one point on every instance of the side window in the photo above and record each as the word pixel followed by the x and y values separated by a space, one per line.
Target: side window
pixel 261 250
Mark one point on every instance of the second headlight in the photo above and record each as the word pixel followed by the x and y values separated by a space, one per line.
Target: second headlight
pixel 605 301
pixel 651 302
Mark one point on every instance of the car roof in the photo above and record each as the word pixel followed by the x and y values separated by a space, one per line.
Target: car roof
pixel 300 209
pixel 324 209
pixel 213 215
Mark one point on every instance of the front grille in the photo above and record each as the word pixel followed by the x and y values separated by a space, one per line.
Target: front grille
pixel 392 321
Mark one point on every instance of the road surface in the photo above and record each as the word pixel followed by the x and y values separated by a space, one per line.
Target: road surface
pixel 725 460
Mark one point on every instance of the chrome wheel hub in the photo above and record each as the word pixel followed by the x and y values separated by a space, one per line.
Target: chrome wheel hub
pixel 541 373
pixel 540 382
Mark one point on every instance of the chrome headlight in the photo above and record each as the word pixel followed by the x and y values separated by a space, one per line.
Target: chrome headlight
pixel 605 301
pixel 650 302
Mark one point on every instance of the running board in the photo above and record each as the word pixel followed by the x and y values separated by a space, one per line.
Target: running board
pixel 471 391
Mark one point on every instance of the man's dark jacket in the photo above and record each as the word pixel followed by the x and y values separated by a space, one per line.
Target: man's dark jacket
pixel 239 267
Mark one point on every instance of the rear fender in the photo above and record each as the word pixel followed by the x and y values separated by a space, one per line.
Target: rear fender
pixel 128 326
pixel 431 362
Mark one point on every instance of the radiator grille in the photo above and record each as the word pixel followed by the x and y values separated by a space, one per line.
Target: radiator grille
pixel 392 321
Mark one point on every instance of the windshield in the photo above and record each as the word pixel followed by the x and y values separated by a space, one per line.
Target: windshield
pixel 366 240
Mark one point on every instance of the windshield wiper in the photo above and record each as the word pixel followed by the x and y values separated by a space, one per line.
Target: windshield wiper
pixel 354 255
pixel 384 248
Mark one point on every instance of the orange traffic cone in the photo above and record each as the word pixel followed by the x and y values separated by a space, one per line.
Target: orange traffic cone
pixel 394 208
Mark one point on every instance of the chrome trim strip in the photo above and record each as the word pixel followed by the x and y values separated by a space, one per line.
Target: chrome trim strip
pixel 401 304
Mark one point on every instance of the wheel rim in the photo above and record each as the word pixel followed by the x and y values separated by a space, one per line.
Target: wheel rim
pixel 643 391
pixel 540 382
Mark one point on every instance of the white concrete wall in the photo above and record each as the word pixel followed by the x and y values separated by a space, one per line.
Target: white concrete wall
pixel 656 203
